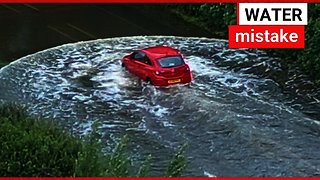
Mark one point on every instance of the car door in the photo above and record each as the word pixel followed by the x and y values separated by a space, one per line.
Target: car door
pixel 127 62
pixel 132 64
pixel 143 65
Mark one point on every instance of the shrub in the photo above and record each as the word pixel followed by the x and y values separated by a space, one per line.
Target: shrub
pixel 32 147
pixel 217 17
pixel 214 17
pixel 178 164
pixel 93 162
pixel 37 147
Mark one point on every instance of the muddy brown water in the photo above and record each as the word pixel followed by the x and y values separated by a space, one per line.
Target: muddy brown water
pixel 235 117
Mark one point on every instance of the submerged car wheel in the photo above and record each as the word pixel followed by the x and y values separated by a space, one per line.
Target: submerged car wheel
pixel 123 65
pixel 149 81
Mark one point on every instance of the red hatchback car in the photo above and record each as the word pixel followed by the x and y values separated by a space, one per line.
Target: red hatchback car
pixel 159 65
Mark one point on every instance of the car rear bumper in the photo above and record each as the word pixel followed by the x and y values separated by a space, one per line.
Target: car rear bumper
pixel 163 81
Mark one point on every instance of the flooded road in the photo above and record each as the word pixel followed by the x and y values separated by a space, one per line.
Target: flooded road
pixel 236 116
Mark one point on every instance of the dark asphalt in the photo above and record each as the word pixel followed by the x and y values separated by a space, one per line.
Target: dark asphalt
pixel 28 28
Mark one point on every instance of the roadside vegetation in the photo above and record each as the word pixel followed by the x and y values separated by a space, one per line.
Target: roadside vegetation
pixel 216 17
pixel 40 147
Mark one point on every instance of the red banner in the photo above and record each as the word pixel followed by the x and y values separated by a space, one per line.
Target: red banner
pixel 164 178
pixel 266 36
pixel 152 1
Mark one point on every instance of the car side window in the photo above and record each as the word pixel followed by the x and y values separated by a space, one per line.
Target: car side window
pixel 138 56
pixel 142 57
pixel 146 60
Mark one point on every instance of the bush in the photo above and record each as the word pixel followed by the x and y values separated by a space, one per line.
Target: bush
pixel 32 147
pixel 178 164
pixel 214 17
pixel 37 147
pixel 308 59
pixel 310 56
pixel 217 17
pixel 93 162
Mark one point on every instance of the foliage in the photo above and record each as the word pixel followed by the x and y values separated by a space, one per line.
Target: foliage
pixel 118 165
pixel 32 147
pixel 214 16
pixel 38 147
pixel 90 160
pixel 308 58
pixel 144 168
pixel 178 163
pixel 217 16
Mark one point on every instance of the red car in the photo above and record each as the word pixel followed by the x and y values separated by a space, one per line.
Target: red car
pixel 158 65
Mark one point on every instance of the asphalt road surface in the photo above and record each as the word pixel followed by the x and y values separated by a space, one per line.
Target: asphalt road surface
pixel 28 28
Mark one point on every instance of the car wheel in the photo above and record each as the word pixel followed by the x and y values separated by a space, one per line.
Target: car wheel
pixel 123 65
pixel 149 81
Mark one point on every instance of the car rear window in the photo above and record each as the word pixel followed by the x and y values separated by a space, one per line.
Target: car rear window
pixel 171 61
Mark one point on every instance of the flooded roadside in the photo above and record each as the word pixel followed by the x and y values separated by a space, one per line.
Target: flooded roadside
pixel 240 117
pixel 245 114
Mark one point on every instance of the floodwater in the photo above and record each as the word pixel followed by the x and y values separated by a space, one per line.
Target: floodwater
pixel 239 116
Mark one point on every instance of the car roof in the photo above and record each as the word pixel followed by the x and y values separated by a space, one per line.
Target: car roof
pixel 156 52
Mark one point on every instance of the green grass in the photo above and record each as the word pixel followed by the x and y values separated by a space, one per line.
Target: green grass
pixel 32 147
pixel 39 147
